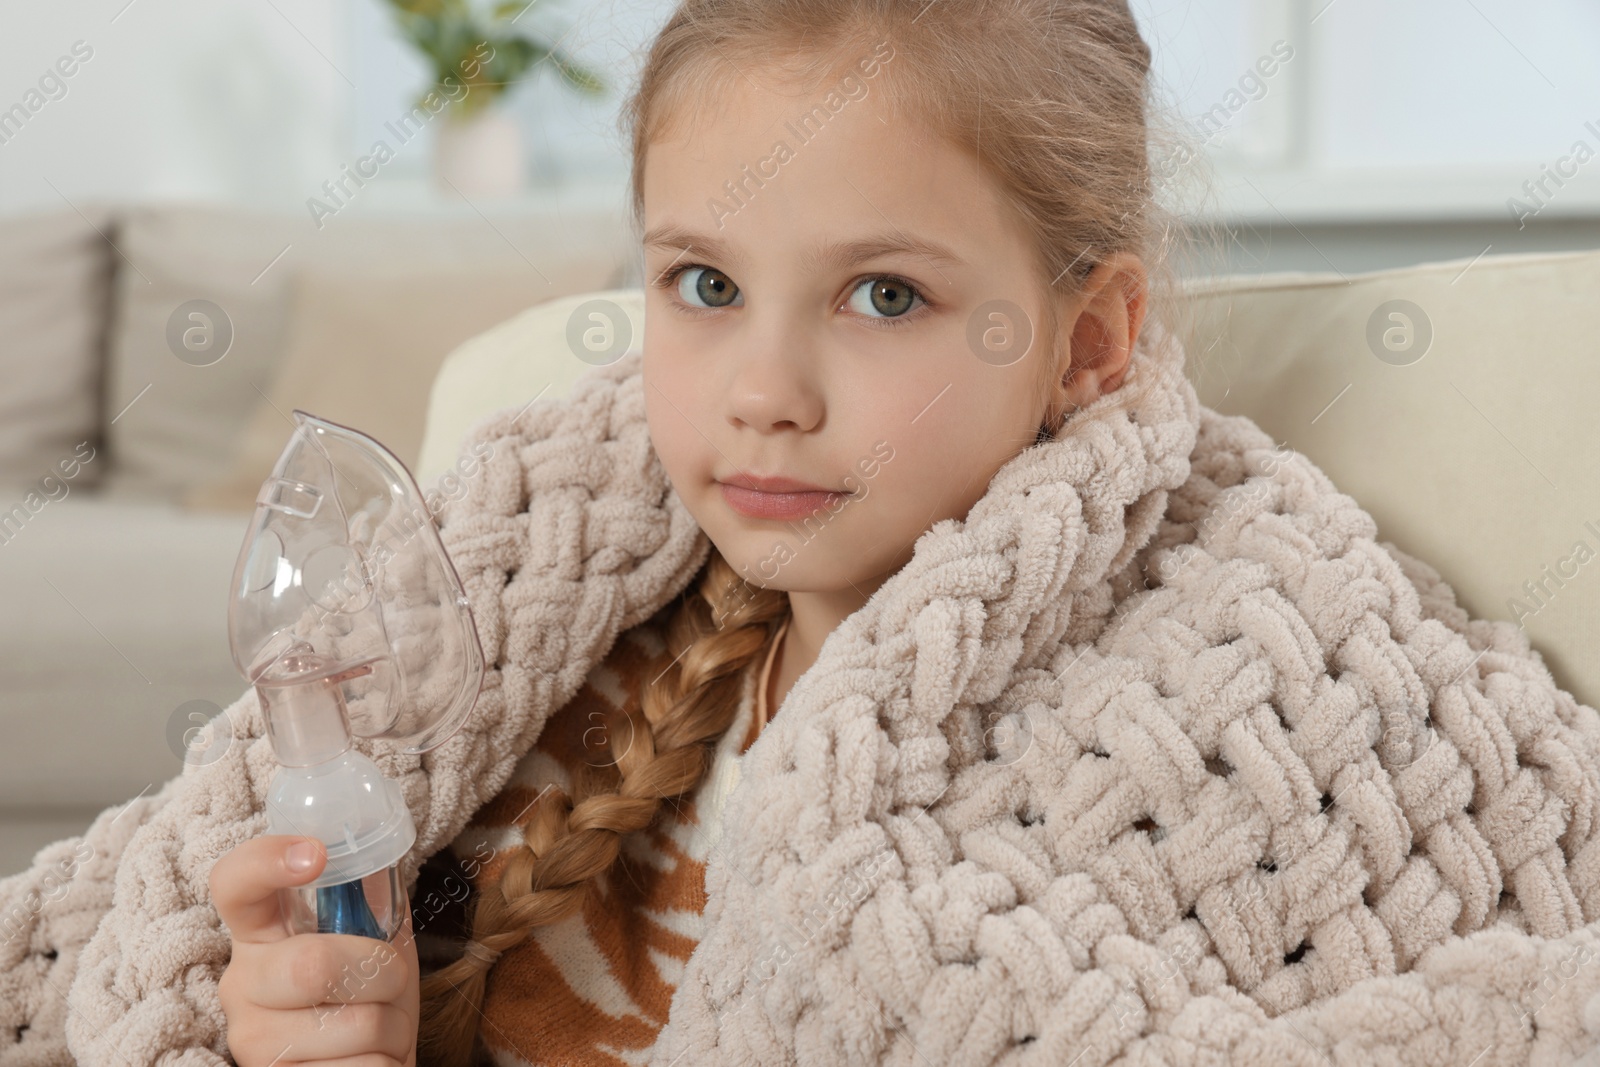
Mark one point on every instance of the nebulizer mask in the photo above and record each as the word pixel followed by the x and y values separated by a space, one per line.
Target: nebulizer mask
pixel 349 619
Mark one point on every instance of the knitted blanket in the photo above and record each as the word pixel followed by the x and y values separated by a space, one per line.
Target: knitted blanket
pixel 1158 756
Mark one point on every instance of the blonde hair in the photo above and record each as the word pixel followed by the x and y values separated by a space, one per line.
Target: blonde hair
pixel 1051 97
pixel 715 631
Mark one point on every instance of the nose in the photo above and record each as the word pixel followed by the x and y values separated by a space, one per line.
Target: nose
pixel 775 386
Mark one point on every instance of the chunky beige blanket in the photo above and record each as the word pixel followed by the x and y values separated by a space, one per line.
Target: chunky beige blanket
pixel 1159 756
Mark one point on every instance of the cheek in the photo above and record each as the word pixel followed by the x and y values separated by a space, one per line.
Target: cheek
pixel 943 461
pixel 661 385
pixel 916 488
pixel 671 434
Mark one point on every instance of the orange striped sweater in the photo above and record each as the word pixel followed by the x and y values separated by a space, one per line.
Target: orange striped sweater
pixel 593 988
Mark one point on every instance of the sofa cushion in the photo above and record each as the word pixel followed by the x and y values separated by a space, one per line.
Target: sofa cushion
pixel 364 350
pixel 184 424
pixel 55 272
pixel 124 636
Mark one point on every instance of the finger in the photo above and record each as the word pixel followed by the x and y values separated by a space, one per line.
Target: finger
pixel 315 1035
pixel 312 969
pixel 245 883
pixel 359 1029
pixel 370 1059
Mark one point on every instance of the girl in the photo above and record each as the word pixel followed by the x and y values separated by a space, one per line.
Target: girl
pixel 861 284
pixel 895 663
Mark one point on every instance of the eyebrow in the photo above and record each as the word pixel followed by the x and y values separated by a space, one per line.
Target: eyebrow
pixel 830 254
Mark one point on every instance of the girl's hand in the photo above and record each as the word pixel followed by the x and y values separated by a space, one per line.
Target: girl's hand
pixel 307 997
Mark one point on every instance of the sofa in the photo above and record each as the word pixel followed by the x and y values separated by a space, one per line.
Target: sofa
pixel 149 356
pixel 1450 399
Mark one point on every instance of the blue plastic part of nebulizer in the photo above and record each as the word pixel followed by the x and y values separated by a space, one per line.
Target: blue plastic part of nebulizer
pixel 343 909
pixel 349 620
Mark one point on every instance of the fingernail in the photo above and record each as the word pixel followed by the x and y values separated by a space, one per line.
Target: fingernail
pixel 300 857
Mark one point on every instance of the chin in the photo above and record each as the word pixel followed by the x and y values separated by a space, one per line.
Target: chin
pixel 750 554
pixel 745 553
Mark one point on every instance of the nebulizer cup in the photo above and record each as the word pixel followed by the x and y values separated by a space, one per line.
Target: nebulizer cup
pixel 348 618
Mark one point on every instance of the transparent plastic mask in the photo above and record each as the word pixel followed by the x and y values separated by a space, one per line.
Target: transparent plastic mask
pixel 349 619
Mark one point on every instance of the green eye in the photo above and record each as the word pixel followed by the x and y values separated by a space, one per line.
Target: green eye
pixel 706 285
pixel 886 295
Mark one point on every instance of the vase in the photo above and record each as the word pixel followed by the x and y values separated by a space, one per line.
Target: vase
pixel 480 155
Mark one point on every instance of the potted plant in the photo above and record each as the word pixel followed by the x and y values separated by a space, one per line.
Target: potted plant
pixel 475 55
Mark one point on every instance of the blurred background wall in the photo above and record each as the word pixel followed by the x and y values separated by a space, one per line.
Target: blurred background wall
pixel 1396 133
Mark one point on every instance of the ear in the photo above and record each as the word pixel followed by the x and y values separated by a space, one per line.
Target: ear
pixel 1099 328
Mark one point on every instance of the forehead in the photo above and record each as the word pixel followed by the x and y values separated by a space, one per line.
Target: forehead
pixel 827 173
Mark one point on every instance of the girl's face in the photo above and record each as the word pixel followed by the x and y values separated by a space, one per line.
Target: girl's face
pixel 833 325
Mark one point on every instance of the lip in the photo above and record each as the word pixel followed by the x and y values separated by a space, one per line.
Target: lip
pixel 775 497
pixel 770 484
